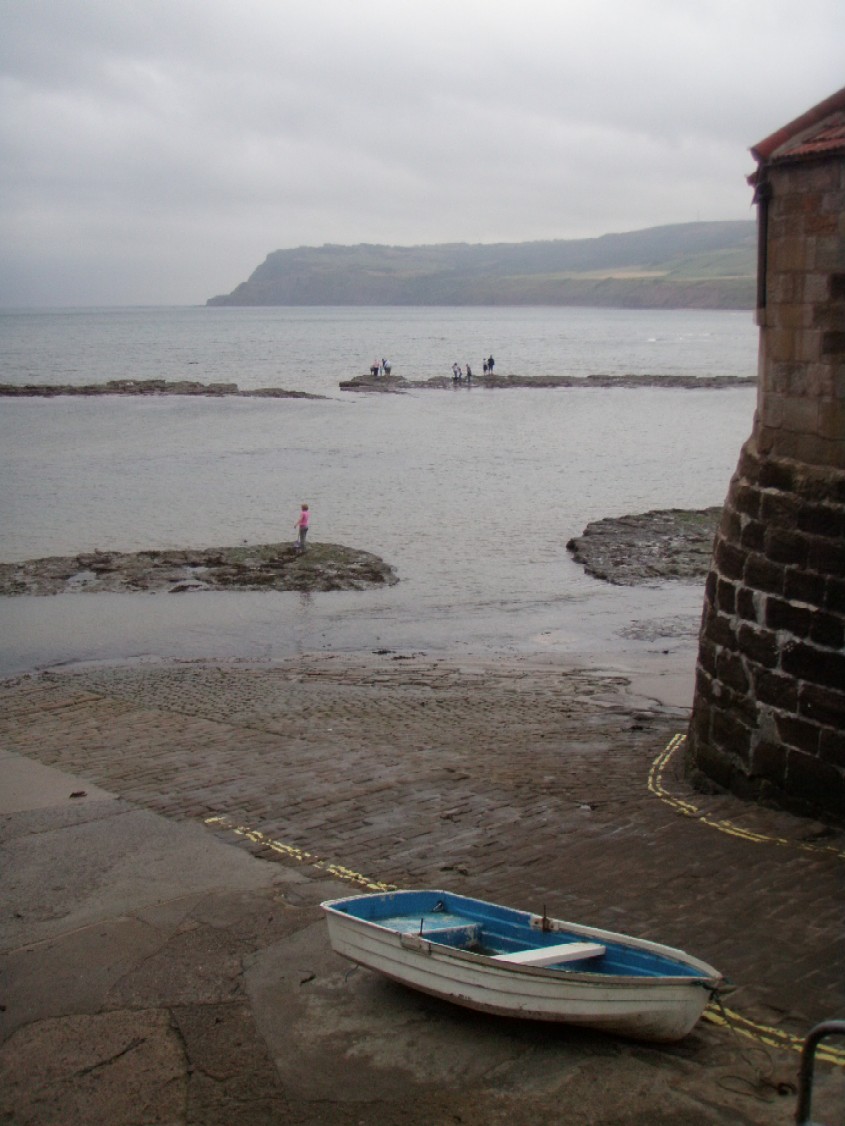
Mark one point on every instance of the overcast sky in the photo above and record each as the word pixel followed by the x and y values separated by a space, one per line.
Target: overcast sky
pixel 154 151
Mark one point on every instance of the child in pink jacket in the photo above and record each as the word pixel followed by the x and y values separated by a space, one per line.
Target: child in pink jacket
pixel 302 525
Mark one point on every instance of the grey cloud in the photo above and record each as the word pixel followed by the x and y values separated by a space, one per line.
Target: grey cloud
pixel 156 151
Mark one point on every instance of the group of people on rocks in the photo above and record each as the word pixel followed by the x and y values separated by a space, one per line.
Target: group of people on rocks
pixel 379 367
pixel 458 371
pixel 383 367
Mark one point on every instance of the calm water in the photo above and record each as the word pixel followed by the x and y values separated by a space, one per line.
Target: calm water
pixel 314 348
pixel 471 495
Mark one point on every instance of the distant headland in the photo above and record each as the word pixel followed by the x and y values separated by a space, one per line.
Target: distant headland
pixel 709 265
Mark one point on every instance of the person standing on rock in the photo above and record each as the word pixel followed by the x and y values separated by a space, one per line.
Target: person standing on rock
pixel 302 526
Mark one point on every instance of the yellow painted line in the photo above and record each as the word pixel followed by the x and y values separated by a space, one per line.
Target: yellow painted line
pixel 689 809
pixel 292 852
pixel 771 1037
pixel 752 1030
pixel 742 1026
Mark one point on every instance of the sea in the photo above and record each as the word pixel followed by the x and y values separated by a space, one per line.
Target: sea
pixel 470 494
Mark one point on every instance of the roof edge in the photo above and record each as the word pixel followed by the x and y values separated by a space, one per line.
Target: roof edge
pixel 765 148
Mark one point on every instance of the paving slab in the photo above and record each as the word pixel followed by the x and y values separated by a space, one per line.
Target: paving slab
pixel 28 785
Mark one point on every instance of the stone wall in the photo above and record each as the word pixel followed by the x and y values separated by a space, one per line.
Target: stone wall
pixel 768 718
pixel 802 340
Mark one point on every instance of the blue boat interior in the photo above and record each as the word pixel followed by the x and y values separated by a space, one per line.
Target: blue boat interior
pixel 474 925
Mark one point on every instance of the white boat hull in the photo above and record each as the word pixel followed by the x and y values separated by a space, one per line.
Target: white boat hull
pixel 648 1008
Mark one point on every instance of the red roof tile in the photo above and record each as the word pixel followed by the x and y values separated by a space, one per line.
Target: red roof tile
pixel 818 132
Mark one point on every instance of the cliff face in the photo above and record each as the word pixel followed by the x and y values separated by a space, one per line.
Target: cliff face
pixel 691 265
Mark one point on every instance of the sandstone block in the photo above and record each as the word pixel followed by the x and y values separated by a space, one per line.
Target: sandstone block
pixel 733 736
pixel 821 520
pixel 826 556
pixel 730 560
pixel 783 615
pixel 768 760
pixel 805 586
pixel 835 595
pixel 718 629
pixel 726 597
pixel 822 705
pixel 811 663
pixel 798 733
pixel 749 604
pixel 731 672
pixel 832 747
pixel 753 535
pixel 745 499
pixel 760 645
pixel 819 784
pixel 775 689
pixel 713 763
pixel 762 574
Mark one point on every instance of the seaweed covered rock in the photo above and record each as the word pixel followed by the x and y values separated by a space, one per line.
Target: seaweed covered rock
pixel 650 547
pixel 275 566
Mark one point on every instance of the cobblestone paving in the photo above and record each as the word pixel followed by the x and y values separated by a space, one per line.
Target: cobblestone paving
pixel 524 782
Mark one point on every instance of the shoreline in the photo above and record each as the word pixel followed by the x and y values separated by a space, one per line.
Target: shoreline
pixel 234 616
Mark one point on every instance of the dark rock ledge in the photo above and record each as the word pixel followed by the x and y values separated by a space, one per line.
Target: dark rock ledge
pixel 150 387
pixel 649 548
pixel 394 383
pixel 274 566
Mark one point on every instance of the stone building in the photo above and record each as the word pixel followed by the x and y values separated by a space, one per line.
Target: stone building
pixel 768 719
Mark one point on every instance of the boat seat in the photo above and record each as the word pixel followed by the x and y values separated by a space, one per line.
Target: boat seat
pixel 468 932
pixel 551 955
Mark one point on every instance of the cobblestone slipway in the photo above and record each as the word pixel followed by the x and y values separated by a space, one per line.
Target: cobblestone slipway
pixel 528 783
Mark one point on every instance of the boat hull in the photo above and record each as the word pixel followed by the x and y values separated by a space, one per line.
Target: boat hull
pixel 660 1007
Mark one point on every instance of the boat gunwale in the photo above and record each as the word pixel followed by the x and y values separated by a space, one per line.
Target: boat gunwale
pixel 706 976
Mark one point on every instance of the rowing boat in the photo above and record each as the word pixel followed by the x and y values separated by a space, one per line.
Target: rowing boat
pixel 513 963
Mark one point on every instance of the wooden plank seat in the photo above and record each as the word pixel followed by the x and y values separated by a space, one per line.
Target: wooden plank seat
pixel 551 955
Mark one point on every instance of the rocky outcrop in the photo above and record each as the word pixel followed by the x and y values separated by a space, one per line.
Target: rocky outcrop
pixel 275 566
pixel 648 548
pixel 394 383
pixel 148 387
pixel 382 384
